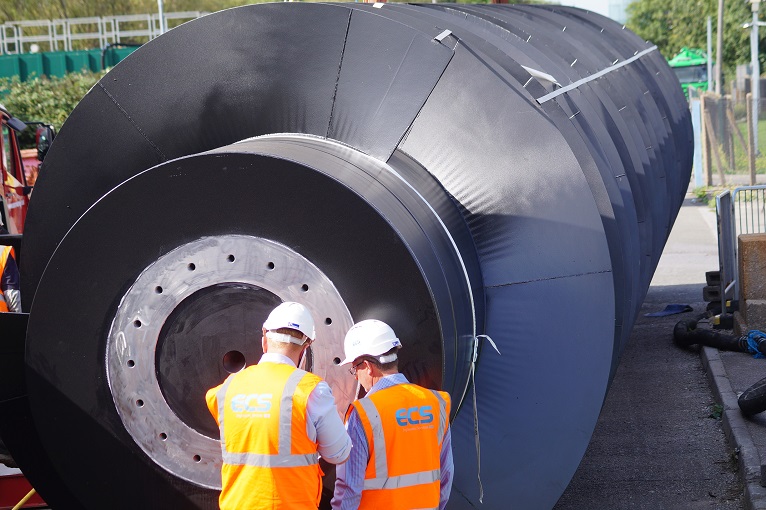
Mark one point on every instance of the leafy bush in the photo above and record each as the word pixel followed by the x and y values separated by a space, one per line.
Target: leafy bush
pixel 48 100
pixel 701 195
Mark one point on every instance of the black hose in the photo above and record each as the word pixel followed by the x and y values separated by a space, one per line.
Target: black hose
pixel 685 334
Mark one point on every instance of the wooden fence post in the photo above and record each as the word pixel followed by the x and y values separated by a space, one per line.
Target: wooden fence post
pixel 715 148
pixel 706 163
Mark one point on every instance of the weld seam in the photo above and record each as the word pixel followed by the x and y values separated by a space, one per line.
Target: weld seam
pixel 337 78
pixel 130 119
pixel 548 279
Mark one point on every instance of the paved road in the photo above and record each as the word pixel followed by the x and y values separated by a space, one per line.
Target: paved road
pixel 659 442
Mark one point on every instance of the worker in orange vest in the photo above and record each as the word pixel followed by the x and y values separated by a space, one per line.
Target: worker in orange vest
pixel 10 295
pixel 276 420
pixel 402 455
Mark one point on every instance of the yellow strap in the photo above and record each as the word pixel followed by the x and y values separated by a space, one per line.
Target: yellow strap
pixel 7 250
pixel 11 181
pixel 24 499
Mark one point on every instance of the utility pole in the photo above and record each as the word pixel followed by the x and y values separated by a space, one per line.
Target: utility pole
pixel 162 17
pixel 709 54
pixel 719 50
pixel 755 76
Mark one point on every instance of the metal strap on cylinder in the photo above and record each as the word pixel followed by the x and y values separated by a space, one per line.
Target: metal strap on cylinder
pixel 475 337
pixel 594 76
pixel 457 253
pixel 476 408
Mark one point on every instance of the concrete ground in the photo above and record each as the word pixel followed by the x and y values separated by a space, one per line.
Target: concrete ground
pixel 660 442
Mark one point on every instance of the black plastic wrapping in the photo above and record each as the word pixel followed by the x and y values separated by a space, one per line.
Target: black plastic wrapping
pixel 442 193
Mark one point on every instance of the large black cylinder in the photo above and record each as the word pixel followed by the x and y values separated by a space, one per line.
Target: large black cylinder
pixel 454 170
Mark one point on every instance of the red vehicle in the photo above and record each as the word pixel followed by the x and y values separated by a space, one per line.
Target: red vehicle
pixel 14 488
pixel 19 168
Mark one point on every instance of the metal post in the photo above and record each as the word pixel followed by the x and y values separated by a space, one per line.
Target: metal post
pixel 719 50
pixel 707 156
pixel 751 144
pixel 696 109
pixel 162 17
pixel 709 54
pixel 755 81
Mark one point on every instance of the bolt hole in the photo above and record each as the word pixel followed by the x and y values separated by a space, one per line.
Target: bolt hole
pixel 137 323
pixel 336 361
pixel 233 361
pixel 328 321
pixel 197 458
pixel 270 265
pixel 163 436
pixel 158 289
pixel 191 266
pixel 304 287
pixel 131 363
pixel 140 403
pixel 230 258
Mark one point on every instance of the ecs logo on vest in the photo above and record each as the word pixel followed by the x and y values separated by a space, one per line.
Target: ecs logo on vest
pixel 252 403
pixel 414 416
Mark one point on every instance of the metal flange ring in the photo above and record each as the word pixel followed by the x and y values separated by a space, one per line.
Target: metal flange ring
pixel 136 332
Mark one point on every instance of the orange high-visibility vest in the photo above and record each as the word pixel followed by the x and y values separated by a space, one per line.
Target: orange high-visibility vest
pixel 6 252
pixel 269 461
pixel 405 426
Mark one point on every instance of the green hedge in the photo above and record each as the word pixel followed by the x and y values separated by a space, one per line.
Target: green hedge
pixel 58 63
pixel 48 100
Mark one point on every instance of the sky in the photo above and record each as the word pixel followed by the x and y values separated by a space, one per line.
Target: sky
pixel 599 6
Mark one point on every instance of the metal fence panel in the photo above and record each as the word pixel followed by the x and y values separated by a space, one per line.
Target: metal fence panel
pixel 17 37
pixel 741 211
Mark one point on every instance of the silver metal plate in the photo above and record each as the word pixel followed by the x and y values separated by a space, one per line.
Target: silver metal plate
pixel 134 336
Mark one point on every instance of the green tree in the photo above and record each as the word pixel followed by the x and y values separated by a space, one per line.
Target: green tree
pixel 673 24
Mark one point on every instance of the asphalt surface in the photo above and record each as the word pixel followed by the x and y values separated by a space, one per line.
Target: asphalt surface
pixel 664 437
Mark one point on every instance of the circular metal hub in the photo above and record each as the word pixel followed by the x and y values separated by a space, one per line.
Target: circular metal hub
pixel 218 323
pixel 157 350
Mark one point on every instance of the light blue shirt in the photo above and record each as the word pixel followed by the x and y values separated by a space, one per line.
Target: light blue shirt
pixel 350 476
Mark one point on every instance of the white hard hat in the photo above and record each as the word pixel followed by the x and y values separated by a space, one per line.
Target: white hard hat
pixel 290 315
pixel 372 338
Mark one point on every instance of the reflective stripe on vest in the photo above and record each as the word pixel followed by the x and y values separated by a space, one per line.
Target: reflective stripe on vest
pixel 382 480
pixel 442 414
pixel 7 251
pixel 283 458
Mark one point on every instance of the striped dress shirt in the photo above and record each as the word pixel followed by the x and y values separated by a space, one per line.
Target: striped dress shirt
pixel 350 475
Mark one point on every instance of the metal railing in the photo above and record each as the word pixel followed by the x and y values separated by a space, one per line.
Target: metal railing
pixel 64 34
pixel 739 211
